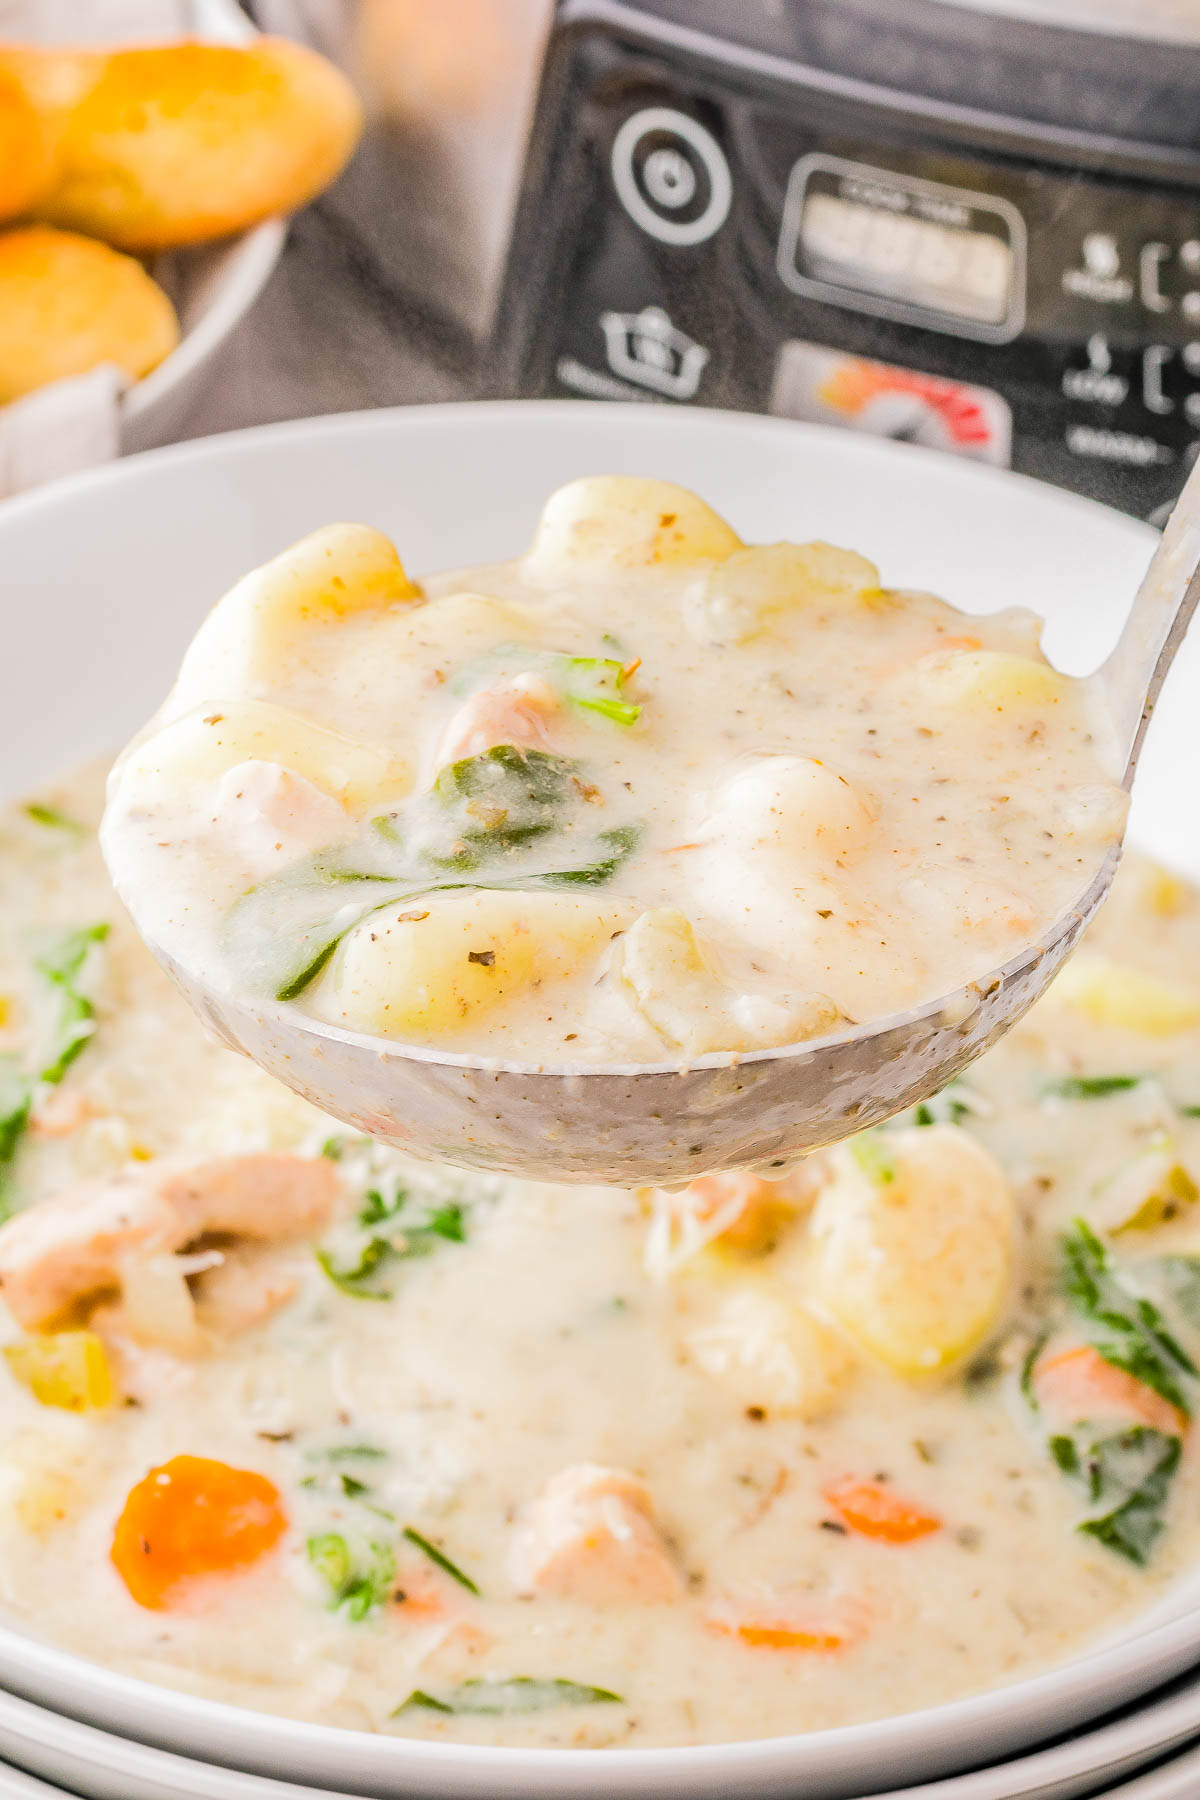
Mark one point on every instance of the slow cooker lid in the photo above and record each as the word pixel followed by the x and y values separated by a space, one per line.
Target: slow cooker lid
pixel 1125 70
pixel 1167 21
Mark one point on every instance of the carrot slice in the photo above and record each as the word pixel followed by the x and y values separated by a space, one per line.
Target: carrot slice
pixel 788 1637
pixel 874 1511
pixel 1078 1384
pixel 764 1621
pixel 193 1517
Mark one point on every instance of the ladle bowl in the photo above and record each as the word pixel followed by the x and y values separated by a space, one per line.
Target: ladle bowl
pixel 666 1123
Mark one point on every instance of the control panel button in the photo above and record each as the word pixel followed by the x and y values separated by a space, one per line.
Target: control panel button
pixel 671 176
pixel 1096 382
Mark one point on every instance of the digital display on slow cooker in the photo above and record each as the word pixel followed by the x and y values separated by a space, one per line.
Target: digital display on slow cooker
pixel 903 248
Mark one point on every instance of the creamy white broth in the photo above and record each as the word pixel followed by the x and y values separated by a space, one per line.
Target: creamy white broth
pixel 642 794
pixel 734 1382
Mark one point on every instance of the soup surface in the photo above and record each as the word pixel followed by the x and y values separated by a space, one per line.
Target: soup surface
pixel 293 1422
pixel 642 794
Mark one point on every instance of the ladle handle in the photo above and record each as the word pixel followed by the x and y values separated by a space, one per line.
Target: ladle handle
pixel 1161 612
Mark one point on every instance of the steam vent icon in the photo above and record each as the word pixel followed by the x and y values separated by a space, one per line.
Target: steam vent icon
pixel 646 348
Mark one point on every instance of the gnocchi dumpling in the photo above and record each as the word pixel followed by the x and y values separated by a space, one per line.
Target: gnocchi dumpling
pixel 794 808
pixel 39 1489
pixel 204 746
pixel 252 634
pixel 754 587
pixel 1116 993
pixel 608 522
pixel 914 1234
pixel 987 681
pixel 662 971
pixel 433 965
pixel 1151 1189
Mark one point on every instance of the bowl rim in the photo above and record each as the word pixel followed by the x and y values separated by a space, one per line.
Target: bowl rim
pixel 940 1736
pixel 250 258
pixel 1165 1723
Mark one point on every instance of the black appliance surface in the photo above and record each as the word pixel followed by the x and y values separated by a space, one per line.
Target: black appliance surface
pixel 924 221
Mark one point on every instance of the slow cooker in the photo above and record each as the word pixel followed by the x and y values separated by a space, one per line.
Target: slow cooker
pixel 973 226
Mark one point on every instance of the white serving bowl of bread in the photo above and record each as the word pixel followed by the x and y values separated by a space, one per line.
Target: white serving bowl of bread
pixel 142 192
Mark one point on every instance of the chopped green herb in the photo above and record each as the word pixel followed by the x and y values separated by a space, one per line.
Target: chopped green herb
pixel 334 1148
pixel 447 1222
pixel 419 1698
pixel 356 1585
pixel 61 965
pixel 518 1694
pixel 348 1453
pixel 597 684
pixel 871 1154
pixel 444 1223
pixel 1088 1087
pixel 16 1104
pixel 329 1555
pixel 1128 1331
pixel 353 1281
pixel 440 1558
pixel 949 1106
pixel 57 821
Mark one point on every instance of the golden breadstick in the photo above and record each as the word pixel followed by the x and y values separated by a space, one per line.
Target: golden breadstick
pixel 26 163
pixel 179 143
pixel 68 303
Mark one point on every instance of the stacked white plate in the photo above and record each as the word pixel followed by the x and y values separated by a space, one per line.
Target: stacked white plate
pixel 1102 1763
pixel 163 536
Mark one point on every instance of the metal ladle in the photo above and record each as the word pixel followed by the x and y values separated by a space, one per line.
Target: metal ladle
pixel 664 1123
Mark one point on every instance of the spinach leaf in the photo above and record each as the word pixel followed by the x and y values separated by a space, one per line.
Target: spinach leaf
pixel 1127 1476
pixel 605 854
pixel 1088 1087
pixel 498 801
pixel 357 1583
pixel 1180 1279
pixel 284 930
pixel 1127 1330
pixel 517 1694
pixel 439 1558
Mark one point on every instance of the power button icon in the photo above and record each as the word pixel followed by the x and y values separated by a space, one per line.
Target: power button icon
pixel 671 176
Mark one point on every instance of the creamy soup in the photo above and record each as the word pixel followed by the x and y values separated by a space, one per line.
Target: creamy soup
pixel 642 794
pixel 293 1422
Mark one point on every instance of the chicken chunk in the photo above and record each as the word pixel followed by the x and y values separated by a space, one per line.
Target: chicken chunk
pixel 591 1535
pixel 80 1243
pixel 517 711
pixel 272 816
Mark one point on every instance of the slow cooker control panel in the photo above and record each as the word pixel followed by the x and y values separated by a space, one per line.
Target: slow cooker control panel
pixel 685 236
